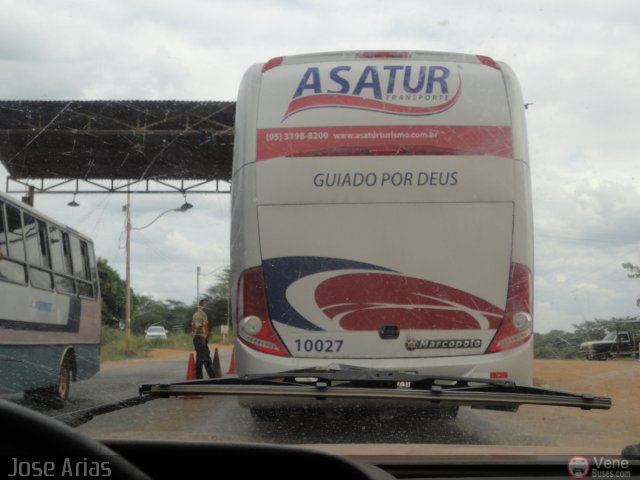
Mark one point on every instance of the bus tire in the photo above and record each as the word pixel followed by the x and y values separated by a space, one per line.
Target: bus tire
pixel 57 395
pixel 64 380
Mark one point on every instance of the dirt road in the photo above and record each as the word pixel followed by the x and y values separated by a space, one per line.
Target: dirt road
pixel 557 426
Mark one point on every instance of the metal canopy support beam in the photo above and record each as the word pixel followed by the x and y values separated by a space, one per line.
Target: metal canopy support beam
pixel 77 186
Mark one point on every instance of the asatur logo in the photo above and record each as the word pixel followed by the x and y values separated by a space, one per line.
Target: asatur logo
pixel 393 89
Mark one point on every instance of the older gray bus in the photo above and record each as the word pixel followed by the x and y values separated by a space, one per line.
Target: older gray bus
pixel 49 303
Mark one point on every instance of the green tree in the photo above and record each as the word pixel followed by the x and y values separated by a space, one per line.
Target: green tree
pixel 555 344
pixel 112 289
pixel 172 314
pixel 219 298
pixel 149 311
pixel 634 272
pixel 180 315
pixel 146 310
pixel 593 329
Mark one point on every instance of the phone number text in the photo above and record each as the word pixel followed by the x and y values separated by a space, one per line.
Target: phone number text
pixel 292 136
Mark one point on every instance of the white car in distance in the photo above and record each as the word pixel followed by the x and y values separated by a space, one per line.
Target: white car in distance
pixel 155 332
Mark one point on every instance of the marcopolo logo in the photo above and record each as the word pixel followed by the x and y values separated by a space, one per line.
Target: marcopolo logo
pixel 413 344
pixel 396 89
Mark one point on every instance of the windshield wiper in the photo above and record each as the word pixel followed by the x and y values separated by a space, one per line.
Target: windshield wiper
pixel 345 381
pixel 351 382
pixel 79 417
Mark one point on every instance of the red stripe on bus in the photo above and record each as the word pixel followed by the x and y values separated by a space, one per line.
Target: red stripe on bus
pixel 367 301
pixel 328 141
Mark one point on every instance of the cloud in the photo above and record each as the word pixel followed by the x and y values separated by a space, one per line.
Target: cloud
pixel 575 62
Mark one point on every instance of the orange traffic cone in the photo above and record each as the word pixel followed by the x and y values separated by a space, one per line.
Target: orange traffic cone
pixel 191 375
pixel 191 367
pixel 232 365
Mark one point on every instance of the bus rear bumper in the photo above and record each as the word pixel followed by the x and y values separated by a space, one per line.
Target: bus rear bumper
pixel 515 364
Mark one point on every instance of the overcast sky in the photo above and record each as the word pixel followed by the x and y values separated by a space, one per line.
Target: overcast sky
pixel 578 62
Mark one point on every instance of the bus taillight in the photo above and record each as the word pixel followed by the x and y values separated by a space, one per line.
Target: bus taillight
pixel 517 326
pixel 254 325
pixel 274 62
pixel 488 61
pixel 384 54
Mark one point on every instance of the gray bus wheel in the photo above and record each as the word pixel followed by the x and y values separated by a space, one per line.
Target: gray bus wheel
pixel 64 380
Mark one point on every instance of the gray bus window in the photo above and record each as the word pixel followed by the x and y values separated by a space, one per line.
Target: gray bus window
pixel 79 265
pixel 85 288
pixel 12 271
pixel 35 232
pixel 55 249
pixel 43 240
pixel 14 233
pixel 61 260
pixel 3 234
pixel 32 241
pixel 93 267
pixel 65 284
pixel 66 254
pixel 84 250
pixel 40 278
pixel 9 270
pixel 60 251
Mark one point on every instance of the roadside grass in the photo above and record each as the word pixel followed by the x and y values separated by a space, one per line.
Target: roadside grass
pixel 116 346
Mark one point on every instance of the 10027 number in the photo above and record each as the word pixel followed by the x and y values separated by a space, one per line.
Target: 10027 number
pixel 324 346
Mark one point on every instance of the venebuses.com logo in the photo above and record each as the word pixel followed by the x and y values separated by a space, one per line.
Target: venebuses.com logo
pixel 578 467
pixel 599 467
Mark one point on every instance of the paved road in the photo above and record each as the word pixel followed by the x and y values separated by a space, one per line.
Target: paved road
pixel 120 380
pixel 220 418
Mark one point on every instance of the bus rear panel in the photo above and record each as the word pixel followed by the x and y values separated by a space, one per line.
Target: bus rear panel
pixel 381 216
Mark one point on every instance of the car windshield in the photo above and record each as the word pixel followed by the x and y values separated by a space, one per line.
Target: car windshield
pixel 354 190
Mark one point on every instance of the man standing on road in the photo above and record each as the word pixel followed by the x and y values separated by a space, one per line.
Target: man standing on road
pixel 200 331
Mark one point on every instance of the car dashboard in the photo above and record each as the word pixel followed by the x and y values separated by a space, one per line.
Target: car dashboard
pixel 37 446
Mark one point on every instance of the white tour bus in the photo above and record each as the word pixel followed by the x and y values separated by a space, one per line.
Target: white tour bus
pixel 381 216
pixel 49 304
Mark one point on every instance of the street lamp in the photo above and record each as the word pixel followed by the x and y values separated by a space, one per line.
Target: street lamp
pixel 73 202
pixel 183 208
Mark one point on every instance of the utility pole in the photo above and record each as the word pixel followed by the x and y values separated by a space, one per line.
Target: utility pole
pixel 183 208
pixel 197 284
pixel 128 249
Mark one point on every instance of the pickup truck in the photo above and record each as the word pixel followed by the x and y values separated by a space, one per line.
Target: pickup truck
pixel 614 344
